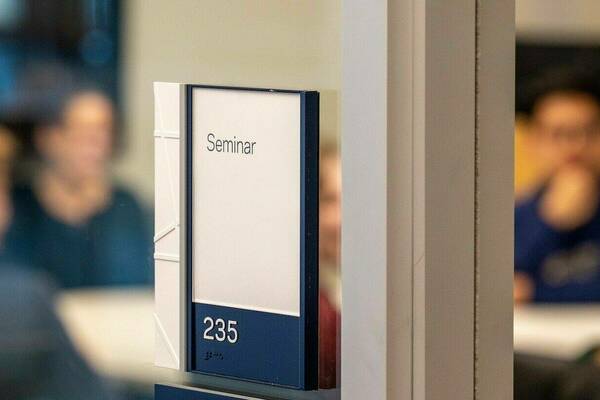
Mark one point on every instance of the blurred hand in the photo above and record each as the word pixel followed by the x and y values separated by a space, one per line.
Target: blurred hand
pixel 6 209
pixel 8 151
pixel 571 199
pixel 523 289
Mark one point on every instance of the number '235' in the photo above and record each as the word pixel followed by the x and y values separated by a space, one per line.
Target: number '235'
pixel 219 330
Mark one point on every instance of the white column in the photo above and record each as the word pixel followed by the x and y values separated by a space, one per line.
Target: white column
pixel 427 199
pixel 364 203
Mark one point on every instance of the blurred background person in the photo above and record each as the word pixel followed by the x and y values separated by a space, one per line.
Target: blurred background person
pixel 557 227
pixel 330 296
pixel 71 220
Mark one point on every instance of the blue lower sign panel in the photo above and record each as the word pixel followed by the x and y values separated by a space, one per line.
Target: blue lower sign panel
pixel 251 234
pixel 170 392
pixel 253 345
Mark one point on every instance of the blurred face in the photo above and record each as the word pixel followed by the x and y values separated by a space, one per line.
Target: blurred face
pixel 567 128
pixel 330 209
pixel 81 147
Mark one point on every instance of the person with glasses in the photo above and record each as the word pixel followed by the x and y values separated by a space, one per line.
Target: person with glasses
pixel 557 227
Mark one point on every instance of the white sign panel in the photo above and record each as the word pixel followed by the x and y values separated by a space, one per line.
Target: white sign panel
pixel 246 197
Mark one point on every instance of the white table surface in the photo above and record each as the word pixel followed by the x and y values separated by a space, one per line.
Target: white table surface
pixel 113 330
pixel 558 331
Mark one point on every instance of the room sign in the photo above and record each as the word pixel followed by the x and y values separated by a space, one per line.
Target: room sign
pixel 250 233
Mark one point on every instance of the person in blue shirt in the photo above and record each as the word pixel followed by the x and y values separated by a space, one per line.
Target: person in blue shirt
pixel 557 228
pixel 72 221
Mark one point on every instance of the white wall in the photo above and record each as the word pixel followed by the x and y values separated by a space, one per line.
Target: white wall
pixel 558 20
pixel 266 43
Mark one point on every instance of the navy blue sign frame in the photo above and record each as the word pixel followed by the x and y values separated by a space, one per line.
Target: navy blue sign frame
pixel 275 349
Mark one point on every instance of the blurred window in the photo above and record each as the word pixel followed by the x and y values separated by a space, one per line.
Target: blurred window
pixel 44 44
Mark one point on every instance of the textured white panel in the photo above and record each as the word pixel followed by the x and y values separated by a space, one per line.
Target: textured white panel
pixel 167 317
pixel 166 234
pixel 166 106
